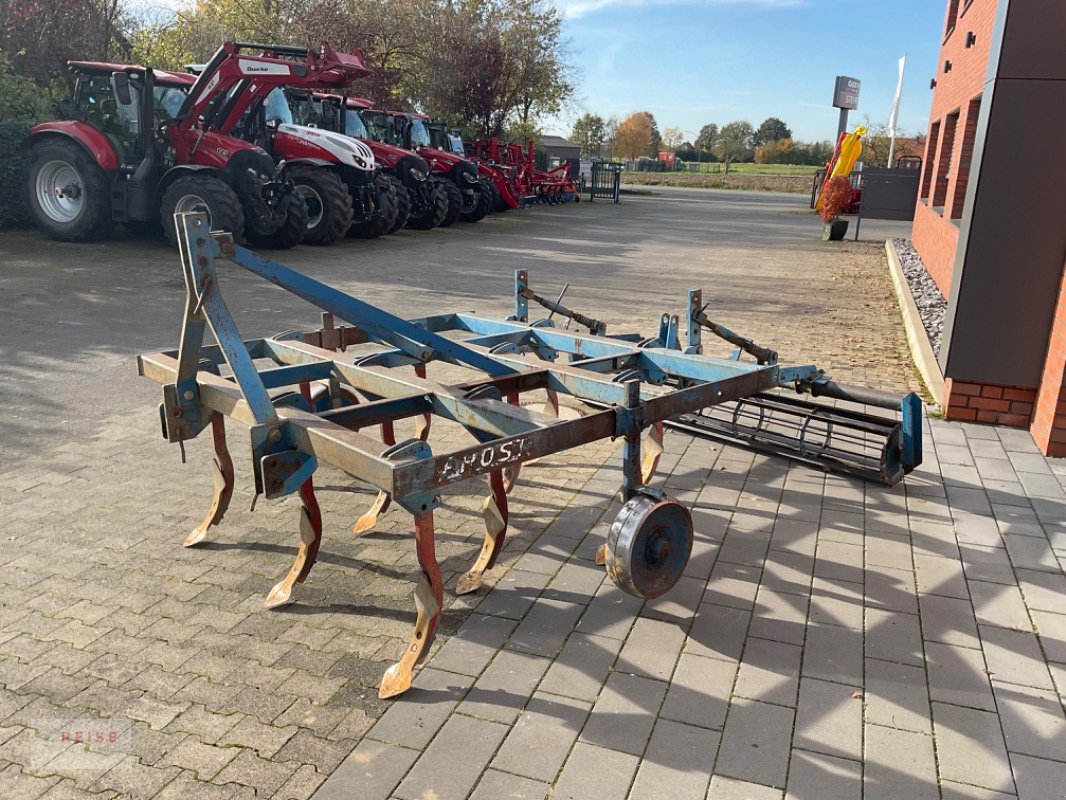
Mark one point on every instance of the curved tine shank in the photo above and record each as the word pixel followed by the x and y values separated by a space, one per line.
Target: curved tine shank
pixel 223 475
pixel 429 600
pixel 382 502
pixel 511 473
pixel 494 511
pixel 306 553
pixel 551 406
pixel 423 423
pixel 653 451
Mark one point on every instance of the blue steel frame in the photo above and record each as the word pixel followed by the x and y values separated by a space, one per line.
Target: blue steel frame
pixel 630 378
pixel 639 384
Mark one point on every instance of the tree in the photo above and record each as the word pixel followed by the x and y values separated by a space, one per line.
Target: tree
pixel 637 136
pixel 772 130
pixel 673 139
pixel 590 131
pixel 708 138
pixel 735 142
pixel 779 151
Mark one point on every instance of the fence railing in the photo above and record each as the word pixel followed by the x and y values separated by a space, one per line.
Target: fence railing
pixel 606 181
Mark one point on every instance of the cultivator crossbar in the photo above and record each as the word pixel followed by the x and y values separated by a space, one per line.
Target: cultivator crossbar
pixel 640 384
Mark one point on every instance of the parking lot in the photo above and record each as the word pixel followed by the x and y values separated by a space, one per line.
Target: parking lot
pixel 830 639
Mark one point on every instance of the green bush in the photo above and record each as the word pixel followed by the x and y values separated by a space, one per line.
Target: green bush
pixel 13 211
pixel 22 104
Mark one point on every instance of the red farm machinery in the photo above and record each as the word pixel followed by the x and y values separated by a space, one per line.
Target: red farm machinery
pixel 421 197
pixel 336 174
pixel 134 150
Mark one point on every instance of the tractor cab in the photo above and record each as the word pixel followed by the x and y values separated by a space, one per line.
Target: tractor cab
pixel 126 104
pixel 447 139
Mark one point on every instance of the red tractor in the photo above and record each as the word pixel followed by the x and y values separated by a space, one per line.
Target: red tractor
pixel 428 194
pixel 336 174
pixel 134 151
pixel 468 199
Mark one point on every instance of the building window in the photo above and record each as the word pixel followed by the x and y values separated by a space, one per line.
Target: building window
pixel 943 167
pixel 962 181
pixel 930 159
pixel 965 7
pixel 953 16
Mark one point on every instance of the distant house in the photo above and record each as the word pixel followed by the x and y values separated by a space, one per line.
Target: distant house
pixel 559 148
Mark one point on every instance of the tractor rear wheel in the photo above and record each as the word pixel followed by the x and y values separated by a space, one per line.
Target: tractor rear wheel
pixel 381 217
pixel 403 204
pixel 481 208
pixel 455 202
pixel 436 208
pixel 329 206
pixel 204 193
pixel 69 194
pixel 292 230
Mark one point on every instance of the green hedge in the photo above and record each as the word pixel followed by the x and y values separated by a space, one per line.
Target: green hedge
pixel 13 211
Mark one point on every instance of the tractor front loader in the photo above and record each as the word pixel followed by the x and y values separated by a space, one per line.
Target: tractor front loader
pixel 246 98
pixel 132 151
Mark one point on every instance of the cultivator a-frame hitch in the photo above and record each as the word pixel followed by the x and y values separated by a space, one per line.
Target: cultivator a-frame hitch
pixel 639 384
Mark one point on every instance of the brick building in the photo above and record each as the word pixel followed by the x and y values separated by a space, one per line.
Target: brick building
pixel 991 218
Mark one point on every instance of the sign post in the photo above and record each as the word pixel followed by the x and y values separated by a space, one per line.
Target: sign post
pixel 846 98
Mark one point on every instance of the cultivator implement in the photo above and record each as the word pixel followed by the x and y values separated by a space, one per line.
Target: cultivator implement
pixel 309 399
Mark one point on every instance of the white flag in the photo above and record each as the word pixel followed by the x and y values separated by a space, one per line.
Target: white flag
pixel 895 103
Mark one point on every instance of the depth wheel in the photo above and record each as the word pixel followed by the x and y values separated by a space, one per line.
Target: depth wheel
pixel 649 544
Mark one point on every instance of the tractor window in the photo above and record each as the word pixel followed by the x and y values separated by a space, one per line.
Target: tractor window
pixel 168 102
pixel 419 133
pixel 98 102
pixel 456 145
pixel 378 126
pixel 277 107
pixel 305 111
pixel 353 124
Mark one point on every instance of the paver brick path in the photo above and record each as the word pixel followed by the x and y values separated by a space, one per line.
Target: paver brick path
pixel 828 640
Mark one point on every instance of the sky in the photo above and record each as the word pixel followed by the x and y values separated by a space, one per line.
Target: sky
pixel 691 62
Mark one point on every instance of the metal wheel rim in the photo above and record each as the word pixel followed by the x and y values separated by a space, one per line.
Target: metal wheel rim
pixel 189 203
pixel 60 191
pixel 316 209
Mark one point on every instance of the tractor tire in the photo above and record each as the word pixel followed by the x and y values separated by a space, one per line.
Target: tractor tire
pixel 291 232
pixel 383 215
pixel 204 193
pixel 493 193
pixel 455 202
pixel 403 204
pixel 68 193
pixel 437 208
pixel 329 206
pixel 483 207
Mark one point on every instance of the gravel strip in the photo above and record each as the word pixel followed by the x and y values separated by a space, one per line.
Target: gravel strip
pixel 931 303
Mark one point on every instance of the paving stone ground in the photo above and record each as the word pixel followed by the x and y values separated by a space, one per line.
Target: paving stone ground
pixel 830 639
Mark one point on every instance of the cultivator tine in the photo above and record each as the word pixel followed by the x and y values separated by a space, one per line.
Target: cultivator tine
pixel 653 451
pixel 511 473
pixel 381 503
pixel 601 555
pixel 494 510
pixel 369 520
pixel 551 406
pixel 223 475
pixel 306 553
pixel 429 601
pixel 423 423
